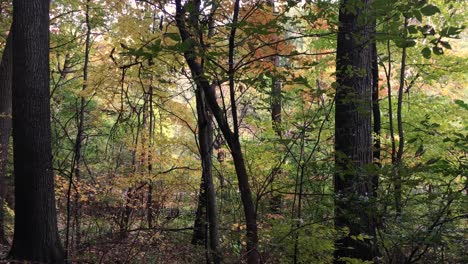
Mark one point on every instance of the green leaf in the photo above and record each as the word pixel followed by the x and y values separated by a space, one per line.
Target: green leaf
pixel 430 10
pixel 432 161
pixel 437 50
pixel 451 31
pixel 445 44
pixel 462 104
pixel 155 47
pixel 173 36
pixel 418 15
pixel 426 52
pixel 410 43
pixel 405 43
pixel 412 29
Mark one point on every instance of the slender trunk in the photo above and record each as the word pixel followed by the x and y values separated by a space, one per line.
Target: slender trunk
pixel 6 72
pixel 80 135
pixel 36 236
pixel 377 124
pixel 127 210
pixel 231 137
pixel 74 241
pixel 276 102
pixel 236 152
pixel 253 255
pixel 276 106
pixel 353 136
pixel 390 107
pixel 401 142
pixel 149 198
pixel 298 216
pixel 207 212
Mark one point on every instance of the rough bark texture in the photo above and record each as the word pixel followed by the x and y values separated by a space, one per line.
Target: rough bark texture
pixel 35 237
pixel 6 72
pixel 353 133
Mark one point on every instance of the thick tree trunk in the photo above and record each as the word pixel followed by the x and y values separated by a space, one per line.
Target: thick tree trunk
pixel 6 72
pixel 36 236
pixel 353 133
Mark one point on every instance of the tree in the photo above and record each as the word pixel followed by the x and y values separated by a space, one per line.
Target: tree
pixel 80 136
pixel 206 228
pixel 206 220
pixel 35 236
pixel 232 137
pixel 353 138
pixel 5 125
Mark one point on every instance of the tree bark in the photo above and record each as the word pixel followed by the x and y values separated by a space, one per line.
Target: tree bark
pixel 79 139
pixel 377 123
pixel 353 133
pixel 401 142
pixel 231 137
pixel 6 71
pixel 35 236
pixel 207 218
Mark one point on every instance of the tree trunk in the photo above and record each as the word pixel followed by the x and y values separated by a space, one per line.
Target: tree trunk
pixel 276 108
pixel 231 137
pixel 353 138
pixel 206 212
pixel 80 132
pixel 377 123
pixel 36 236
pixel 5 126
pixel 401 142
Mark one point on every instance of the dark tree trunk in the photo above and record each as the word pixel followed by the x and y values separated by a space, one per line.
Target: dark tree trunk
pixel 377 124
pixel 149 196
pixel 231 137
pixel 401 142
pixel 5 126
pixel 276 100
pixel 276 108
pixel 206 221
pixel 353 133
pixel 80 132
pixel 36 236
pixel 76 241
pixel 276 103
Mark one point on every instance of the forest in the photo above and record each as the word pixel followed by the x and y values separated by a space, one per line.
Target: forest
pixel 233 131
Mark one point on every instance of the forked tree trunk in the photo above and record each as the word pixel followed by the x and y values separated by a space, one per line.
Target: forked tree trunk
pixel 231 137
pixel 35 236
